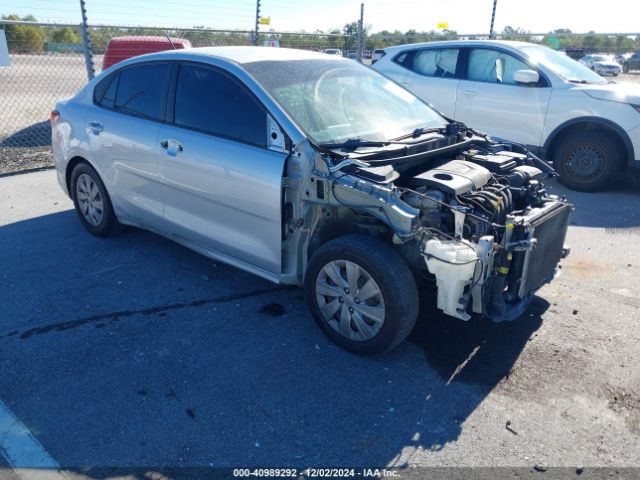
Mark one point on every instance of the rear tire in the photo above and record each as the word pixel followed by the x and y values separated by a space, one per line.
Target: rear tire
pixel 92 201
pixel 354 266
pixel 588 161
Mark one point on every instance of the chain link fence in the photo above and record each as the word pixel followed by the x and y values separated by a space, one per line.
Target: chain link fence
pixel 47 63
pixel 42 71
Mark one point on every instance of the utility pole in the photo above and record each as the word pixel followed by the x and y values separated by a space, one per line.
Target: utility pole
pixel 255 35
pixel 493 17
pixel 360 51
pixel 88 50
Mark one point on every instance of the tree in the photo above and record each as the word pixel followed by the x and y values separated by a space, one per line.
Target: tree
pixel 23 38
pixel 65 35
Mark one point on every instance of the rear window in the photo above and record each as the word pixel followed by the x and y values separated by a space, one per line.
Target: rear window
pixel 440 62
pixel 212 102
pixel 141 90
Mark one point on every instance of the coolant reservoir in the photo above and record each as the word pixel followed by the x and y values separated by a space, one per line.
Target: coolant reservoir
pixel 453 264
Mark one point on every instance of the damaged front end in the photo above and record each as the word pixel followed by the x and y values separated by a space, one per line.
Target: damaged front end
pixel 467 211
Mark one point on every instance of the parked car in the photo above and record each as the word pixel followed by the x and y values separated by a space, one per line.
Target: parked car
pixel 333 51
pixel 532 95
pixel 121 48
pixel 257 157
pixel 602 64
pixel 607 68
pixel 377 55
pixel 632 63
pixel 575 53
pixel 589 60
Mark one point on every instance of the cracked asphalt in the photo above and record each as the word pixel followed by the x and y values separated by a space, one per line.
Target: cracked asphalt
pixel 133 351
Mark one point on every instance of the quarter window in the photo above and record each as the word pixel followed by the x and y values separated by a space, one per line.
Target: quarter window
pixel 109 97
pixel 213 102
pixel 141 90
pixel 493 66
pixel 436 62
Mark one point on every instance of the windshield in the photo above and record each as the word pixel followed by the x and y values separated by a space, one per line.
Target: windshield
pixel 562 65
pixel 337 100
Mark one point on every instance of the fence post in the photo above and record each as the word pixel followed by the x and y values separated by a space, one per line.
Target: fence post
pixel 255 35
pixel 86 40
pixel 493 17
pixel 360 48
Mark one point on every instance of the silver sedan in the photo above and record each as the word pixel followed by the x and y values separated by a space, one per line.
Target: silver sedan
pixel 313 170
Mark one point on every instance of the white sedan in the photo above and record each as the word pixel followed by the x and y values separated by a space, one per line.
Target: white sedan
pixel 602 64
pixel 532 95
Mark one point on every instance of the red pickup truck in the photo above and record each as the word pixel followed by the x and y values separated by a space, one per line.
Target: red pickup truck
pixel 121 48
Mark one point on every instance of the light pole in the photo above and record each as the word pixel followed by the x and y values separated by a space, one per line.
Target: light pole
pixel 493 17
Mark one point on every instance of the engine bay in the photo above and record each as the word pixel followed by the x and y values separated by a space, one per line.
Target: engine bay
pixel 478 216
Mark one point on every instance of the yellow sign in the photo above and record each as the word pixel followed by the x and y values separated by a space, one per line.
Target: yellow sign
pixel 264 20
pixel 443 25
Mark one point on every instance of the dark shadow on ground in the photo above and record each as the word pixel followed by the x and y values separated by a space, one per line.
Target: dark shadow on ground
pixel 190 378
pixel 36 135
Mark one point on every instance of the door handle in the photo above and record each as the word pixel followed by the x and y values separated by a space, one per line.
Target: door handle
pixel 96 127
pixel 172 147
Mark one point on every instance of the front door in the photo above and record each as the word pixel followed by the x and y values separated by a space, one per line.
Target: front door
pixel 221 185
pixel 490 100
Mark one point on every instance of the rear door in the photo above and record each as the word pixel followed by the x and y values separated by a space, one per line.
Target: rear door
pixel 221 184
pixel 431 74
pixel 122 134
pixel 490 100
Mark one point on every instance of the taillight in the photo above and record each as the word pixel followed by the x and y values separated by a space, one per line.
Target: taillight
pixel 55 114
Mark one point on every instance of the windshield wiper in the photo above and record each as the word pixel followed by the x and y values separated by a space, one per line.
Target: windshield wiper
pixel 575 80
pixel 354 143
pixel 418 132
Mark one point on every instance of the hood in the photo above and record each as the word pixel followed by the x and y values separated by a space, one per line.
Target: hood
pixel 614 92
pixel 607 63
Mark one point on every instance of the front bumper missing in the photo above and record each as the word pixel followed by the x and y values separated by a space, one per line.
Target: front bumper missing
pixel 526 260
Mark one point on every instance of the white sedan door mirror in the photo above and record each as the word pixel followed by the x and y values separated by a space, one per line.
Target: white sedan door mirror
pixel 526 77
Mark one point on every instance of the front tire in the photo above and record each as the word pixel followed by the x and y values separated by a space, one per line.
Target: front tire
pixel 361 294
pixel 92 201
pixel 588 161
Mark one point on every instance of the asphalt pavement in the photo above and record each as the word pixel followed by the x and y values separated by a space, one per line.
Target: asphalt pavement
pixel 134 351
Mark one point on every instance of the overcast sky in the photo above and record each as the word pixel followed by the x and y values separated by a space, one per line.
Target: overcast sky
pixel 465 16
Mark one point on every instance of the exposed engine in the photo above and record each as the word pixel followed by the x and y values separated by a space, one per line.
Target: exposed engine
pixel 479 213
pixel 481 219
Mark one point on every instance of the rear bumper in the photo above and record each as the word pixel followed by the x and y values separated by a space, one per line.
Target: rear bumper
pixel 62 181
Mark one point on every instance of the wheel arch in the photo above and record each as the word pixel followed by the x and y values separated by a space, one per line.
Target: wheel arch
pixel 71 165
pixel 587 123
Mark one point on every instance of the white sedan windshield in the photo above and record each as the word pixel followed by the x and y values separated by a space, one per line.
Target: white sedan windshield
pixel 338 100
pixel 562 65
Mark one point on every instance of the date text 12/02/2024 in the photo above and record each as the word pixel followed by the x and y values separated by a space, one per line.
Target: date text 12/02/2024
pixel 315 472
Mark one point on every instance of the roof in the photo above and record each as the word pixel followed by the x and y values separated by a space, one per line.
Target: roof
pixel 148 39
pixel 252 54
pixel 453 43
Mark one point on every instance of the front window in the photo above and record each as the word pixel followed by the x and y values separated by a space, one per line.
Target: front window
pixel 212 102
pixel 336 100
pixel 563 66
pixel 493 66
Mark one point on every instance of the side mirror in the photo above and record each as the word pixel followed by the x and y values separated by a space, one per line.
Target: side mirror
pixel 526 77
